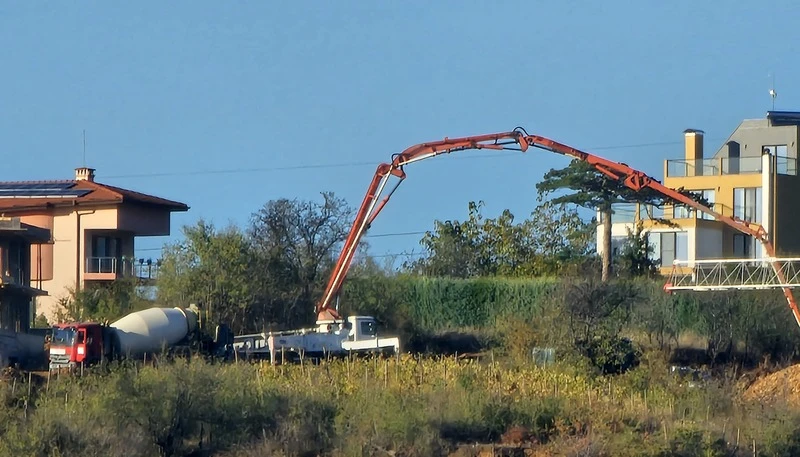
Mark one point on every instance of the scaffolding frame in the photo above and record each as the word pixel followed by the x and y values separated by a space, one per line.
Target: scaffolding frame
pixel 734 274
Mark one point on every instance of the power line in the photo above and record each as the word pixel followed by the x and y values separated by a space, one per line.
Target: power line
pixel 379 235
pixel 357 164
pixel 398 254
pixel 391 254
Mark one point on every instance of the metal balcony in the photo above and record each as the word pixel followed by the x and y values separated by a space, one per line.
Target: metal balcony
pixel 122 267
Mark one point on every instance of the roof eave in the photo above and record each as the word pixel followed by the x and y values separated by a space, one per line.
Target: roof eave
pixel 36 209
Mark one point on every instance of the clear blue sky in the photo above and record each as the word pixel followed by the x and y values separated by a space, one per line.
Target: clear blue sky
pixel 167 91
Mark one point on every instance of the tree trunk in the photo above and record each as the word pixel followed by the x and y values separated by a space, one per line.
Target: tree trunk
pixel 606 214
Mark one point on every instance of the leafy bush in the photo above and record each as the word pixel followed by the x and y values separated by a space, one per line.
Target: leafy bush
pixel 610 354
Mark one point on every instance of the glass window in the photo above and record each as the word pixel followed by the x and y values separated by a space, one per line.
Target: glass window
pixel 747 203
pixel 674 246
pixel 744 247
pixel 779 150
pixel 681 246
pixel 63 336
pixel 667 248
pixel 368 328
pixel 681 212
pixel 623 212
pixel 617 243
pixel 104 246
pixel 708 195
pixel 784 164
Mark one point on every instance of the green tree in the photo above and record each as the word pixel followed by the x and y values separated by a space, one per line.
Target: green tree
pixel 561 237
pixel 594 190
pixel 597 313
pixel 636 258
pixel 100 302
pixel 214 269
pixel 295 245
pixel 455 249
pixel 554 236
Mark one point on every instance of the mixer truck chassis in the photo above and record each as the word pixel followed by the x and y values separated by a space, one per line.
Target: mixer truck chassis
pixel 331 338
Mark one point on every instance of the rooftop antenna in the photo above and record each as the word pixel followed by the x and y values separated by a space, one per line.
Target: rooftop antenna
pixel 772 92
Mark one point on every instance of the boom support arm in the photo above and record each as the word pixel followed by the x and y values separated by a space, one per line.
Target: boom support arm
pixel 371 206
pixel 519 140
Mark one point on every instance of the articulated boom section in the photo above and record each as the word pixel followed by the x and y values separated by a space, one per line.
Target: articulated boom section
pixel 519 140
pixel 732 274
pixel 371 207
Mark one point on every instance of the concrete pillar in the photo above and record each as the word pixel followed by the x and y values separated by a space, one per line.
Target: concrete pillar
pixel 767 191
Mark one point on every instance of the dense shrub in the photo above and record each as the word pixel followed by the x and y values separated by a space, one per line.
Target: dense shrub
pixel 610 354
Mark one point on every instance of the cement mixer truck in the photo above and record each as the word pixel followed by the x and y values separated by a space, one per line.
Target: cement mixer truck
pixel 143 332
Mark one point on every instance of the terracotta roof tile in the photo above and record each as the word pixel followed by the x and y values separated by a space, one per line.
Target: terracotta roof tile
pixel 97 194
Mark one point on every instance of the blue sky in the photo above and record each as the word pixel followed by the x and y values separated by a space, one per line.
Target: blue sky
pixel 224 105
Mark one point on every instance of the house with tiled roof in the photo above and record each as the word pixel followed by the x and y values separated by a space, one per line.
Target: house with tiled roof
pixel 93 226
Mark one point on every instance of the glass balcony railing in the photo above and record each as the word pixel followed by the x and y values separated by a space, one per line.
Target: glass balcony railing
pixel 14 276
pixel 786 166
pixel 123 267
pixel 623 213
pixel 681 168
pixel 626 213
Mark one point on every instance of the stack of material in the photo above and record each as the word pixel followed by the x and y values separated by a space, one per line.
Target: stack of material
pixel 779 388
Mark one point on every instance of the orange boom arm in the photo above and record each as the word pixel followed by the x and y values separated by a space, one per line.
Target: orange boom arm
pixel 519 140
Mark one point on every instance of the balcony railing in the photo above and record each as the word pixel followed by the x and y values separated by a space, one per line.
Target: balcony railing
pixel 625 213
pixel 786 166
pixel 681 168
pixel 123 267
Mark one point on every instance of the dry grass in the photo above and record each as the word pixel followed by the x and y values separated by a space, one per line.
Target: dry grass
pixel 406 406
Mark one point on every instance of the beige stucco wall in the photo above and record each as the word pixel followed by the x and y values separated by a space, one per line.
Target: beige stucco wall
pixel 63 264
pixel 64 260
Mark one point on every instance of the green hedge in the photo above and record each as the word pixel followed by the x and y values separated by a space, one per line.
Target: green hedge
pixel 439 303
pixel 756 321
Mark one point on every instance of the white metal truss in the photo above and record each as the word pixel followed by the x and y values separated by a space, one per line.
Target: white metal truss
pixel 727 274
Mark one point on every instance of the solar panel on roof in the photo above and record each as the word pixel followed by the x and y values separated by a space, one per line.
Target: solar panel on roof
pixel 8 186
pixel 43 192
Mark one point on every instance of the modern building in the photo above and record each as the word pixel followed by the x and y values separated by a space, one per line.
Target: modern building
pixel 17 297
pixel 94 227
pixel 751 176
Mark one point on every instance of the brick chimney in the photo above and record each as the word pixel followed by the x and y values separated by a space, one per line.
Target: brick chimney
pixel 84 174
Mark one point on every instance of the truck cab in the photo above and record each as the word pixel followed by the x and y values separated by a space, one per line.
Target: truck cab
pixel 75 343
pixel 362 328
pixel 363 336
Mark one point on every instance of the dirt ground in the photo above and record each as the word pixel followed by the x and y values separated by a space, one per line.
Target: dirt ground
pixel 781 387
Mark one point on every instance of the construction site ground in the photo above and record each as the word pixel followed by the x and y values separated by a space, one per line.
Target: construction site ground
pixel 779 388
